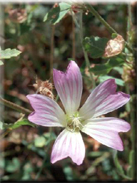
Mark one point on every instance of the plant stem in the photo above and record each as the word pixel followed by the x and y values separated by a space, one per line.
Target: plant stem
pixel 4 134
pixel 14 106
pixel 85 53
pixel 131 103
pixel 95 13
pixel 18 30
pixel 38 174
pixel 52 50
pixel 128 104
pixel 109 28
pixel 97 161
pixel 73 40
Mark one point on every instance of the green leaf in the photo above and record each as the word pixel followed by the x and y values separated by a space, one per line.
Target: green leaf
pixel 69 173
pixel 119 167
pixel 13 165
pixel 2 163
pixel 95 154
pixel 131 157
pixel 114 35
pixel 119 70
pixel 27 169
pixel 116 61
pixel 57 13
pixel 20 123
pixel 40 141
pixel 130 170
pixel 15 125
pixel 119 82
pixel 103 69
pixel 1 63
pixel 1 125
pixel 95 46
pixel 8 53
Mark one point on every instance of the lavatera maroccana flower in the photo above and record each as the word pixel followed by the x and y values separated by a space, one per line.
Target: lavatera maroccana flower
pixel 102 100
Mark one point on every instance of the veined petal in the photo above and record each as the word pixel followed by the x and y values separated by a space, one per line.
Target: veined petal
pixel 47 111
pixel 103 99
pixel 68 144
pixel 105 131
pixel 69 87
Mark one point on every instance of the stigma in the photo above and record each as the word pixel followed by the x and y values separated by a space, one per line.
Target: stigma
pixel 74 123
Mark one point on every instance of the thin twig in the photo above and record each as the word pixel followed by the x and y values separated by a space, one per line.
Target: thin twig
pixel 131 103
pixel 14 106
pixel 73 40
pixel 52 50
pixel 45 158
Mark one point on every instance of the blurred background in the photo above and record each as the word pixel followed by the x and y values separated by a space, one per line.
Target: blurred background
pixel 25 151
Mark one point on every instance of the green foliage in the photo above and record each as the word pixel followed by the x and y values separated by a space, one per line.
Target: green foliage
pixel 69 173
pixel 114 35
pixel 57 13
pixel 103 69
pixel 20 123
pixel 49 137
pixel 1 125
pixel 13 165
pixel 15 125
pixel 95 46
pixel 8 53
pixel 2 163
pixel 27 170
pixel 1 63
pixel 119 70
pixel 119 82
pixel 98 160
pixel 40 141
pixel 119 167
pixel 95 154
pixel 130 170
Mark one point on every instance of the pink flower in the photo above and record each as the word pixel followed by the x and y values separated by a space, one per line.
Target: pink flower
pixel 102 100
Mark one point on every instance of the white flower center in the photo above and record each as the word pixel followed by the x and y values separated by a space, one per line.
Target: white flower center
pixel 74 123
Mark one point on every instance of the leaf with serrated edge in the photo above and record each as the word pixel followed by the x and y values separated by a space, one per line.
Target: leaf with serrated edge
pixel 8 53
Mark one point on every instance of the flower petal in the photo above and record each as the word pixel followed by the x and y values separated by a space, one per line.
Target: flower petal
pixel 103 99
pixel 68 144
pixel 105 131
pixel 47 111
pixel 69 87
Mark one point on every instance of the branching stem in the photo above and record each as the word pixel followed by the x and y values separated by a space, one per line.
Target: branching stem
pixel 14 106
